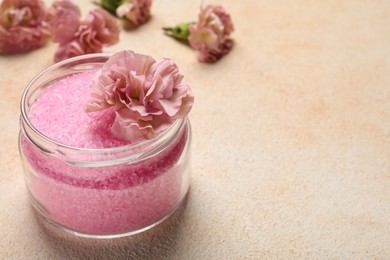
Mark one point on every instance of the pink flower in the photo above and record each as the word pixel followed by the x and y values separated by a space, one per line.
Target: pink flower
pixel 62 21
pixel 97 30
pixel 80 36
pixel 21 28
pixel 136 11
pixel 211 35
pixel 101 27
pixel 147 95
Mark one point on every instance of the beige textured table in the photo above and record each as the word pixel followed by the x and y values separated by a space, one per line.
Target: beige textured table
pixel 291 139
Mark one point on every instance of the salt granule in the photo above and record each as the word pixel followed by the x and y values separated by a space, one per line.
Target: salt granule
pixel 98 200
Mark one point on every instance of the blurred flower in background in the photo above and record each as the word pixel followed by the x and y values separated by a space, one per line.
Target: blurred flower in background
pixel 77 36
pixel 136 12
pixel 209 36
pixel 21 25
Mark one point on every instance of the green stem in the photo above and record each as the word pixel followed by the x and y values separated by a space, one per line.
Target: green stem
pixel 180 31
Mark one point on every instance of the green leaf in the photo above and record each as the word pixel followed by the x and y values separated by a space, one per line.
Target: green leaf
pixel 111 5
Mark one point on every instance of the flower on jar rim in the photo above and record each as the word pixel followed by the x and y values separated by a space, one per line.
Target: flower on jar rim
pixel 21 28
pixel 209 36
pixel 80 36
pixel 147 95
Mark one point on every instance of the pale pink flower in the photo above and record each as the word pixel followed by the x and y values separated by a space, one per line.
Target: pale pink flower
pixel 97 30
pixel 147 95
pixel 210 36
pixel 21 28
pixel 136 11
pixel 103 28
pixel 62 21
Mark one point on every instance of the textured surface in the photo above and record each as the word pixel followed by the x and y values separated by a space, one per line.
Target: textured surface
pixel 291 147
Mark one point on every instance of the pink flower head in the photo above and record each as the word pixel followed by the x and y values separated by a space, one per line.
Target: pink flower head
pixel 62 21
pixel 97 30
pixel 100 27
pixel 78 36
pixel 21 28
pixel 147 95
pixel 136 11
pixel 211 35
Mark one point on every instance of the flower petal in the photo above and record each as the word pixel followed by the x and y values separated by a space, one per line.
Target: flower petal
pixel 203 38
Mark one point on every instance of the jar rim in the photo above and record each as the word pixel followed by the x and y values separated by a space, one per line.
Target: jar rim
pixel 33 133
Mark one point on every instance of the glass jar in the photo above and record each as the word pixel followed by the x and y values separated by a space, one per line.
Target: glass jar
pixel 107 192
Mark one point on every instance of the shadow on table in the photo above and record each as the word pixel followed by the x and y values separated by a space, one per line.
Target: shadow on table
pixel 158 242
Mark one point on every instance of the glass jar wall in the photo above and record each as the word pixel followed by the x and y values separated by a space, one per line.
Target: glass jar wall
pixel 104 192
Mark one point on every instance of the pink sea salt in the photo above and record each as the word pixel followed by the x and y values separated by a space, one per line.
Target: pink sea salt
pixel 100 200
pixel 59 114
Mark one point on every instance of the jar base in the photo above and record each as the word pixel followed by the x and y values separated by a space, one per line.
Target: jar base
pixel 41 212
